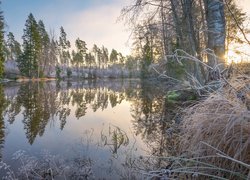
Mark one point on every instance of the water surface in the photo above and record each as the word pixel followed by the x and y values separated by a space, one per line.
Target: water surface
pixel 107 128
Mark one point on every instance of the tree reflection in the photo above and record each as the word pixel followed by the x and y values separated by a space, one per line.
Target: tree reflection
pixel 32 97
pixel 41 103
pixel 152 120
pixel 3 105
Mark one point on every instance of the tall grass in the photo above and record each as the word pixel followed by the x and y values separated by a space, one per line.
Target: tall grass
pixel 219 128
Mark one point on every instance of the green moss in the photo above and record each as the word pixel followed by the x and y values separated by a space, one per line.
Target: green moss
pixel 173 96
pixel 181 95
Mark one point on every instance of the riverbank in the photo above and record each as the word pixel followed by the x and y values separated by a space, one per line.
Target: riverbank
pixel 25 79
pixel 214 135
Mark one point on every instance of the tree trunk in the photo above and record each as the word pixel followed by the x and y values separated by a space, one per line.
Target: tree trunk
pixel 215 18
pixel 163 29
pixel 174 5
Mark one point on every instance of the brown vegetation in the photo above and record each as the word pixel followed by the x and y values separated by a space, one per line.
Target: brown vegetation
pixel 217 131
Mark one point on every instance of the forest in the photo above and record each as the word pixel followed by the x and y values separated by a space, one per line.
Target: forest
pixel 197 126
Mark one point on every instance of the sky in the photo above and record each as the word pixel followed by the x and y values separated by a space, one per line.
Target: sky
pixel 245 5
pixel 94 21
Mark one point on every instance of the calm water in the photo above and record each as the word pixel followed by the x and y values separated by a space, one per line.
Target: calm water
pixel 102 129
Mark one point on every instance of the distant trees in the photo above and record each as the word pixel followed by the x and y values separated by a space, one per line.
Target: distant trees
pixel 41 54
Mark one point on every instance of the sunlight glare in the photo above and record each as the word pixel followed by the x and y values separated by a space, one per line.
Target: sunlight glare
pixel 233 57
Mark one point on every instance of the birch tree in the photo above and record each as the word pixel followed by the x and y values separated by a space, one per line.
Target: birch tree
pixel 216 24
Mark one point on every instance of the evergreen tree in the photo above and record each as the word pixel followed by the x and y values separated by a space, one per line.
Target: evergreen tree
pixel 81 46
pixel 28 63
pixel 80 55
pixel 64 46
pixel 1 44
pixel 6 51
pixel 13 46
pixel 113 56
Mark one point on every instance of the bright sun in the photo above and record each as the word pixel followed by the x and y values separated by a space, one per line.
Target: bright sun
pixel 233 57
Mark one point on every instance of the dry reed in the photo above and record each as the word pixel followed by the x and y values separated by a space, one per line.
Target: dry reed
pixel 218 129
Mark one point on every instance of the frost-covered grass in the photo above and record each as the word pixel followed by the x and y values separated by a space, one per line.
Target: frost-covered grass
pixel 215 136
pixel 47 167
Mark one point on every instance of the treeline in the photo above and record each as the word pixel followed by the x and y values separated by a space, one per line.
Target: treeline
pixel 42 55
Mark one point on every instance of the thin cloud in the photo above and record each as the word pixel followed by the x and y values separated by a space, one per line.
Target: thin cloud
pixel 96 24
pixel 99 25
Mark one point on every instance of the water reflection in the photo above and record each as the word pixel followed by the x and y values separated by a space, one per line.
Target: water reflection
pixel 3 105
pixel 41 102
pixel 38 104
pixel 153 120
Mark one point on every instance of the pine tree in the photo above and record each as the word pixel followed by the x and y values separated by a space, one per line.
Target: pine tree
pixel 80 55
pixel 64 46
pixel 28 63
pixel 113 56
pixel 14 47
pixel 81 47
pixel 45 45
pixel 1 44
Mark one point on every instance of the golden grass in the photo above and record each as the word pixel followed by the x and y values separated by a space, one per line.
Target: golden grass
pixel 219 128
